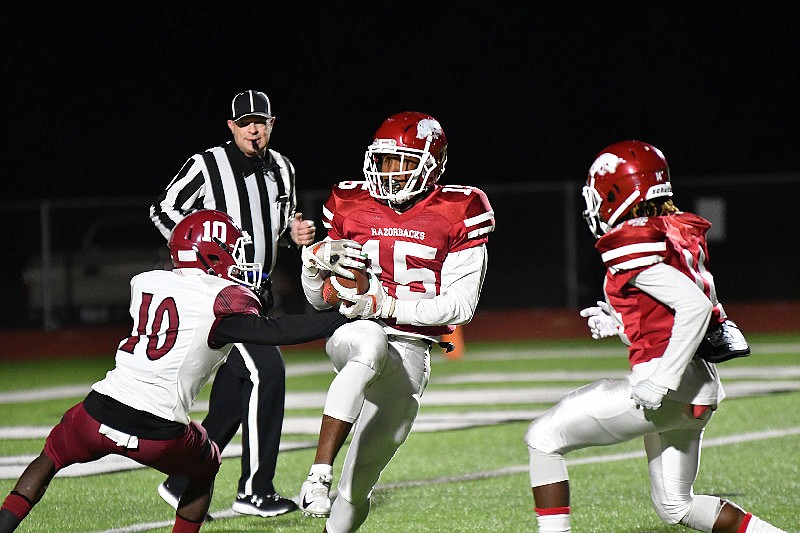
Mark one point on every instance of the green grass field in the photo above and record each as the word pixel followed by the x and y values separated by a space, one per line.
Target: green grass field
pixel 472 477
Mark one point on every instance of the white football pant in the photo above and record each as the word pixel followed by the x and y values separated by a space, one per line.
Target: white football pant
pixel 602 413
pixel 384 377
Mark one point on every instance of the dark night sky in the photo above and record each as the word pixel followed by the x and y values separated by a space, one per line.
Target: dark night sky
pixel 112 101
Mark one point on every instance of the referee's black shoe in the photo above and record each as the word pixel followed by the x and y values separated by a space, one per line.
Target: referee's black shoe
pixel 172 489
pixel 267 505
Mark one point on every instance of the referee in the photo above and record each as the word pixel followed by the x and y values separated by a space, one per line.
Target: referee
pixel 256 187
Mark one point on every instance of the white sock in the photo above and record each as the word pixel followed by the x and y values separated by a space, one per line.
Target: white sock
pixel 756 525
pixel 321 469
pixel 553 523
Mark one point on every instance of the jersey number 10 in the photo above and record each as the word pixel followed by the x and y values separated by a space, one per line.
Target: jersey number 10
pixel 165 310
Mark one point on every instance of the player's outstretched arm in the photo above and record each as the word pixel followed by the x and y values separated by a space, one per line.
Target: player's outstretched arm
pixel 276 331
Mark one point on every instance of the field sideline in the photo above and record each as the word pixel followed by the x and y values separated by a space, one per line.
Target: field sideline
pixel 464 467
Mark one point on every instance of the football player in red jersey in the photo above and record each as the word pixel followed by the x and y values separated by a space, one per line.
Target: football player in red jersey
pixel 661 301
pixel 185 322
pixel 425 244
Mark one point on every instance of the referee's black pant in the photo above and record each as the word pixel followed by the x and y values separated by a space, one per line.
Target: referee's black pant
pixel 250 389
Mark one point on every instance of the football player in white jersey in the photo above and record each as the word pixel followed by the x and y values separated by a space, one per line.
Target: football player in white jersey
pixel 426 247
pixel 661 301
pixel 184 323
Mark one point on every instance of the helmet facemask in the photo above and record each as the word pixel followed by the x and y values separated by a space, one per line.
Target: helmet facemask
pixel 416 172
pixel 592 212
pixel 248 274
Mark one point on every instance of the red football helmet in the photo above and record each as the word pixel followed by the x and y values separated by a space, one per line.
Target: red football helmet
pixel 417 145
pixel 211 241
pixel 622 175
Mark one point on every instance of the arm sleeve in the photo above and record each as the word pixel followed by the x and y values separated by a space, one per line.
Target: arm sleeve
pixel 183 195
pixel 312 287
pixel 275 331
pixel 462 280
pixel 692 311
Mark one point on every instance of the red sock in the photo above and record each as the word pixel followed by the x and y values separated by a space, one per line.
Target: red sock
pixel 185 526
pixel 745 521
pixel 551 510
pixel 17 504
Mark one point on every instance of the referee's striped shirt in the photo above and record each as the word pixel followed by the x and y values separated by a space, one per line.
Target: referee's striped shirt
pixel 258 195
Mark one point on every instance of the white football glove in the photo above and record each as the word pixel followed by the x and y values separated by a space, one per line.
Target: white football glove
pixel 602 322
pixel 648 394
pixel 335 256
pixel 375 303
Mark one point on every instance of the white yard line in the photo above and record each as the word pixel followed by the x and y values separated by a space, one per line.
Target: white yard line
pixel 12 467
pixel 442 397
pixel 740 382
pixel 605 348
pixel 707 443
pixel 768 372
pixel 304 369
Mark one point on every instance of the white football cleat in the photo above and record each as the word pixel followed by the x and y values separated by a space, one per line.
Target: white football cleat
pixel 315 499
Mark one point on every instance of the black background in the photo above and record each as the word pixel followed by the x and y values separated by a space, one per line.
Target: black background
pixel 112 99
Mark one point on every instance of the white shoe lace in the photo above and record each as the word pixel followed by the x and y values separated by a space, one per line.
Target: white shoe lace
pixel 319 489
pixel 728 334
pixel 316 492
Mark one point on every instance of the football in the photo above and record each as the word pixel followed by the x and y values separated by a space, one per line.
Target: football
pixel 330 291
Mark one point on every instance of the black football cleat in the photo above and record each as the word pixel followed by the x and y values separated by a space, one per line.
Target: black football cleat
pixel 723 344
pixel 266 506
pixel 172 489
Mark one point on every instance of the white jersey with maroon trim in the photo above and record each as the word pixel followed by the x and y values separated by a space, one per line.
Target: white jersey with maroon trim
pixel 169 356
pixel 408 250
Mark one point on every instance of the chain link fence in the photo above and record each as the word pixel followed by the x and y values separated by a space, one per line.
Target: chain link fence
pixel 78 255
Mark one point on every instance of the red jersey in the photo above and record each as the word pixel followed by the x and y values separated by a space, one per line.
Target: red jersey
pixel 678 241
pixel 407 250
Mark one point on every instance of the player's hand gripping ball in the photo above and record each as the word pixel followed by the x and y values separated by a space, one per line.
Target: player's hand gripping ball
pixel 334 284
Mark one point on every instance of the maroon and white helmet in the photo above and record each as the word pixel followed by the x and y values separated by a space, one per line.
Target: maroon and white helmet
pixel 211 241
pixel 622 175
pixel 420 143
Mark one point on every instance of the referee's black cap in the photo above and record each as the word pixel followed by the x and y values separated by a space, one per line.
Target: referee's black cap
pixel 249 103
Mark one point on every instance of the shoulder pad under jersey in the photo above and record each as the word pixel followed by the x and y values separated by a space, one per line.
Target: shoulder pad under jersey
pixel 635 243
pixel 234 300
pixel 469 205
